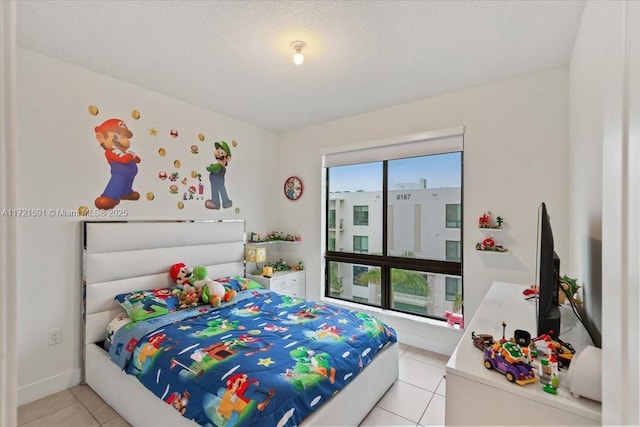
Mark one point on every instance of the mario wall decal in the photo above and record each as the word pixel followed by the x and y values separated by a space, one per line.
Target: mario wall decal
pixel 217 171
pixel 115 138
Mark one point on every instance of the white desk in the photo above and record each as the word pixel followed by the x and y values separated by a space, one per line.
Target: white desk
pixel 479 396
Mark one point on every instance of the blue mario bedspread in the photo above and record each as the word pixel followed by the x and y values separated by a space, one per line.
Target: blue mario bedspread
pixel 263 360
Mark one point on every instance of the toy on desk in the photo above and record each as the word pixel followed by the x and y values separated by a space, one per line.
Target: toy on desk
pixel 562 351
pixel 507 358
pixel 482 341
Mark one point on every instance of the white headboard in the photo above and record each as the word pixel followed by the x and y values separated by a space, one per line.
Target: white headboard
pixel 125 256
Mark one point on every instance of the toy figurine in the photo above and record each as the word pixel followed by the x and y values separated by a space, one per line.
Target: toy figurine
pixel 484 221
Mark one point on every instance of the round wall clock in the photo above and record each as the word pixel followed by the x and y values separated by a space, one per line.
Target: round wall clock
pixel 293 188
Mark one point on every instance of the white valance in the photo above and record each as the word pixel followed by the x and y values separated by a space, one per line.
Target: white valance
pixel 419 144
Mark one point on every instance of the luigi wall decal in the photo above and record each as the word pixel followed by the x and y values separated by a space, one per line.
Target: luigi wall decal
pixel 115 138
pixel 217 171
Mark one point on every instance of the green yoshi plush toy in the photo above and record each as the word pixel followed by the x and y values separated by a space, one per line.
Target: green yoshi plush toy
pixel 212 292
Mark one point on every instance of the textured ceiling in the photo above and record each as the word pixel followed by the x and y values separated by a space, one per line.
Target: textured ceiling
pixel 233 57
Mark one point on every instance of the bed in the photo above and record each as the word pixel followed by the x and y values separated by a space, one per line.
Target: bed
pixel 125 256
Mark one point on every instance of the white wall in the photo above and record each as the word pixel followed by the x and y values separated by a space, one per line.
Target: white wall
pixel 61 166
pixel 515 156
pixel 605 182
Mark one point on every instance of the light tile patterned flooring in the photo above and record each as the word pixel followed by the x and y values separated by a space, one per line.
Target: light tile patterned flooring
pixel 416 399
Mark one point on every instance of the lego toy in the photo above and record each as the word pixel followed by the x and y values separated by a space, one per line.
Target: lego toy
pixel 507 357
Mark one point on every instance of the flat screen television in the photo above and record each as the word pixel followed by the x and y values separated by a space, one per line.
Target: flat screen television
pixel 547 278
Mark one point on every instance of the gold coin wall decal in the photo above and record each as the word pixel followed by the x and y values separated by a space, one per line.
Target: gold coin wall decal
pixel 150 196
pixel 135 114
pixel 93 110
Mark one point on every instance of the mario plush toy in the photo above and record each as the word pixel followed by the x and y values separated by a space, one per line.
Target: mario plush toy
pixel 181 276
pixel 212 292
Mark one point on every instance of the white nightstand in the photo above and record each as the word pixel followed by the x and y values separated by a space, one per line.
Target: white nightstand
pixel 288 282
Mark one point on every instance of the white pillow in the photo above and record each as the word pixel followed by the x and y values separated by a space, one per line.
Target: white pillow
pixel 118 322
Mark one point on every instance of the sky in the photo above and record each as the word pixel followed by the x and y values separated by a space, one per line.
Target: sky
pixel 440 170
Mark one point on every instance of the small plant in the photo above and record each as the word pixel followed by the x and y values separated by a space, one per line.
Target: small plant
pixel 457 303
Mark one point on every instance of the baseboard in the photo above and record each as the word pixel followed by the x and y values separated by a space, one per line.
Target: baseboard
pixel 34 391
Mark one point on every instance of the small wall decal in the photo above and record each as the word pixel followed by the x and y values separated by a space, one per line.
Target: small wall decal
pixel 135 114
pixel 162 175
pixel 217 171
pixel 114 137
pixel 93 110
pixel 201 137
pixel 150 196
pixel 173 133
pixel 194 149
pixel 180 205
pixel 234 143
pixel 153 131
pixel 162 152
pixel 176 164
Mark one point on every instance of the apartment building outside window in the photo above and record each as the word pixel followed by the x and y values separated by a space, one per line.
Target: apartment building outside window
pixel 360 244
pixel 454 215
pixel 453 287
pixel 453 250
pixel 403 243
pixel 361 215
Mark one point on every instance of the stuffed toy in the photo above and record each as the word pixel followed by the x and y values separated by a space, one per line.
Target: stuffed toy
pixel 212 292
pixel 190 298
pixel 181 275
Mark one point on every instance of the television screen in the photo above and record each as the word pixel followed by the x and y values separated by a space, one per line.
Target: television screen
pixel 547 278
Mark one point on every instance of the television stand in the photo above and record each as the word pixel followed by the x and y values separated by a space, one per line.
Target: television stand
pixel 479 396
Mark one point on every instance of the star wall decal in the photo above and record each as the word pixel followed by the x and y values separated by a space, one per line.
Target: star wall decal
pixel 266 362
pixel 153 131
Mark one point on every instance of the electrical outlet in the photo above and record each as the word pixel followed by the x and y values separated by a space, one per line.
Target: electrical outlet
pixel 55 336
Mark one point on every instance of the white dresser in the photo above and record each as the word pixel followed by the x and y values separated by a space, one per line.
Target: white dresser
pixel 288 282
pixel 478 396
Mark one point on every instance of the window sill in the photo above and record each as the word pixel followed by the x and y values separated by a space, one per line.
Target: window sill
pixel 390 313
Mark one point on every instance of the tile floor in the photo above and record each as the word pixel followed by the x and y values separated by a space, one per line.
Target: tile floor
pixel 416 399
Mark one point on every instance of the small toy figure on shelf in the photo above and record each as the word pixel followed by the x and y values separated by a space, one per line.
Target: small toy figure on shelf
pixel 489 244
pixel 484 221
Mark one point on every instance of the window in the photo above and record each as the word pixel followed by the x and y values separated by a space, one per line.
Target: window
pixel 361 215
pixel 360 244
pixel 358 270
pixel 452 250
pixel 332 218
pixel 454 216
pixel 453 286
pixel 408 194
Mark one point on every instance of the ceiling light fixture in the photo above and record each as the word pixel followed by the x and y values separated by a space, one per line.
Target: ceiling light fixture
pixel 298 57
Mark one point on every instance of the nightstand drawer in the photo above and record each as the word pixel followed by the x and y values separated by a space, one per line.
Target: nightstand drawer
pixel 280 283
pixel 284 282
pixel 294 291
